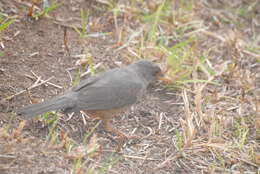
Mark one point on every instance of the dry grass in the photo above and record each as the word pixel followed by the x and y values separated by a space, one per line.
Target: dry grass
pixel 211 53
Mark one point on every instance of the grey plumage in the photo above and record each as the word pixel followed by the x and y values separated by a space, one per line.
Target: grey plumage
pixel 112 89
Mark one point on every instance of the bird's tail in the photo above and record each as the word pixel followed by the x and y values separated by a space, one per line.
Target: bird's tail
pixel 56 103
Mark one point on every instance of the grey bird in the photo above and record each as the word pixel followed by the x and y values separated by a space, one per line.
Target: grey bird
pixel 103 95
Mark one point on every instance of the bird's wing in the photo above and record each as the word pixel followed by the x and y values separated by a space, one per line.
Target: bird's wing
pixel 85 83
pixel 113 90
pixel 96 79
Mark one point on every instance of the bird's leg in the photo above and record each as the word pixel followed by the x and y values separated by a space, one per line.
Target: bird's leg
pixel 107 125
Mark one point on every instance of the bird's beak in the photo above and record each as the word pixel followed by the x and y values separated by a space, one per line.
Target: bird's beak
pixel 165 80
pixel 159 74
pixel 162 77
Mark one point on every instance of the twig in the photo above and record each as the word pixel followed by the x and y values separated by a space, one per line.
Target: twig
pixel 31 87
pixel 7 156
pixel 65 40
pixel 251 54
pixel 26 4
pixel 211 34
pixel 68 71
pixel 70 116
pixel 160 120
pixel 49 83
pixel 89 70
pixel 169 159
pixel 141 158
pixel 248 162
pixel 83 118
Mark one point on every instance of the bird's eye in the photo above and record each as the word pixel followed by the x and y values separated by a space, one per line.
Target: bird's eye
pixel 157 71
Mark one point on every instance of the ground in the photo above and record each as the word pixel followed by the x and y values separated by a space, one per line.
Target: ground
pixel 193 126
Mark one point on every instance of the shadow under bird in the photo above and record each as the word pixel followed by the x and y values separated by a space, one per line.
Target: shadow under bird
pixel 102 96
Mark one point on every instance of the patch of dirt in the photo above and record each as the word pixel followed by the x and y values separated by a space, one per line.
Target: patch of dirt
pixel 29 155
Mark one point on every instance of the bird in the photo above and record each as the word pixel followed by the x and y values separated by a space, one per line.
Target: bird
pixel 102 96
